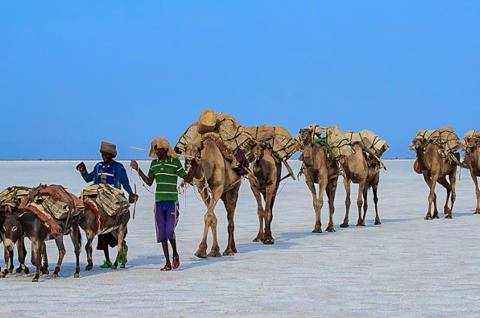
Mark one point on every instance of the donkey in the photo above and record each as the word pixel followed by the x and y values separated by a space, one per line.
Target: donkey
pixel 103 224
pixel 24 222
pixel 9 255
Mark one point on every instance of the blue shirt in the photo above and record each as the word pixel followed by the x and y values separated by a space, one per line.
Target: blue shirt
pixel 114 174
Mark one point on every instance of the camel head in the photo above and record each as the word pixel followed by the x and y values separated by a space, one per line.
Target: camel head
pixel 304 136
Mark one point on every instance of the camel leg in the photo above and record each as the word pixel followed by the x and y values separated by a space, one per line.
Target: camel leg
pixel 361 189
pixel 453 182
pixel 331 190
pixel 270 193
pixel 89 251
pixel 443 181
pixel 212 221
pixel 37 258
pixel 61 255
pixel 477 190
pixel 230 202
pixel 365 204
pixel 202 247
pixel 431 197
pixel 311 187
pixel 375 200
pixel 260 213
pixel 75 237
pixel 346 183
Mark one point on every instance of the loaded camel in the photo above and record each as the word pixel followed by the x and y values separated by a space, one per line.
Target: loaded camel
pixel 471 146
pixel 319 167
pixel 435 167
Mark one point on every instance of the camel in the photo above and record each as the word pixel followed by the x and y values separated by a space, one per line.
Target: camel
pixel 267 170
pixel 319 167
pixel 471 146
pixel 88 223
pixel 435 168
pixel 215 179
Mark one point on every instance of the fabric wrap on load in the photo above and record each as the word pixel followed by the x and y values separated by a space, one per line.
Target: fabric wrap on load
pixel 279 139
pixel 54 206
pixel 13 196
pixel 107 199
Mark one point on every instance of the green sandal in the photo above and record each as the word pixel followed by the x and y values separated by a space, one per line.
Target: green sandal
pixel 106 264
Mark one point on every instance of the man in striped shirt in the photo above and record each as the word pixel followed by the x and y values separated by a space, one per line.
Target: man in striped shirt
pixel 164 170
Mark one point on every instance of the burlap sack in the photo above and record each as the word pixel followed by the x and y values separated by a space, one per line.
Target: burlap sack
pixel 339 143
pixel 279 139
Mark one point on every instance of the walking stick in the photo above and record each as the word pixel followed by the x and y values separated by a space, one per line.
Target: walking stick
pixel 135 203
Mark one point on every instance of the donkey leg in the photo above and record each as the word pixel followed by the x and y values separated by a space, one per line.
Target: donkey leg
pixel 44 256
pixel 88 250
pixel 61 255
pixel 77 245
pixel 22 253
pixel 346 183
pixel 6 257
pixel 37 247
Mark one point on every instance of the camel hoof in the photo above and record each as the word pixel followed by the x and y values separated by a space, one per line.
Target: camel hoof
pixel 89 267
pixel 257 239
pixel 344 225
pixel 361 224
pixel 428 217
pixel 201 254
pixel 3 275
pixel 476 212
pixel 18 270
pixel 229 253
pixel 35 279
pixel 317 231
pixel 215 253
pixel 449 216
pixel 76 275
pixel 377 222
pixel 55 275
pixel 330 229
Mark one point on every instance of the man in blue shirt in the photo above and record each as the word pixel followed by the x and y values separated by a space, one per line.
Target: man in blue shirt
pixel 108 172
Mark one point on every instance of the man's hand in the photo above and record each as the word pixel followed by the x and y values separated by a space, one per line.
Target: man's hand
pixel 134 165
pixel 132 198
pixel 81 167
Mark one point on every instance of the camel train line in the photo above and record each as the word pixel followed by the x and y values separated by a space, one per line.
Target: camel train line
pixel 219 154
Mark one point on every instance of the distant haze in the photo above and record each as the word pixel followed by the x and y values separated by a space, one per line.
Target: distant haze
pixel 73 74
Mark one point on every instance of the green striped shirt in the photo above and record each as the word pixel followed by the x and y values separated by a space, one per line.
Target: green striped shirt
pixel 165 174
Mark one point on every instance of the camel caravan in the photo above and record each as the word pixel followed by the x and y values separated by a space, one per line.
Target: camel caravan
pixel 219 155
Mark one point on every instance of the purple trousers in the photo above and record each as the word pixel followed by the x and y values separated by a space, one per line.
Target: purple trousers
pixel 166 218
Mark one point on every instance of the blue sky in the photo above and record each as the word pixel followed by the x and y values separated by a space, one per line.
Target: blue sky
pixel 75 73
